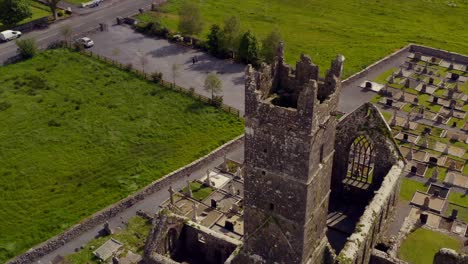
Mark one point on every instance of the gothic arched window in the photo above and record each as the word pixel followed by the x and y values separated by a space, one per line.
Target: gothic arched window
pixel 361 160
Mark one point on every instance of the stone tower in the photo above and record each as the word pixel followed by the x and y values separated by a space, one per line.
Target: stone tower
pixel 289 147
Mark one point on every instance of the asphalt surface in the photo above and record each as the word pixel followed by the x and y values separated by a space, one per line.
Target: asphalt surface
pixel 83 21
pixel 123 44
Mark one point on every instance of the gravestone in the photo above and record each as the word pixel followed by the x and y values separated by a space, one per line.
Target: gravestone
pixel 424 71
pixel 391 79
pixel 455 137
pixel 393 122
pixel 450 178
pixel 451 66
pixel 423 218
pixel 214 203
pixel 454 124
pixel 433 160
pixel 450 93
pixel 454 214
pixel 407 83
pixel 369 85
pixel 228 225
pixel 410 66
pixel 436 193
pixel 423 88
pixel 433 59
pixel 439 119
pixel 431 80
pixel 442 85
pixel 430 73
pixel 414 169
pixel 456 88
pixel 453 103
pixel 454 76
pixel 451 166
pixel 435 99
pixel 400 73
pixel 417 55
pixel 416 100
pixel 405 137
pixel 426 203
pixel 389 102
pixel 427 130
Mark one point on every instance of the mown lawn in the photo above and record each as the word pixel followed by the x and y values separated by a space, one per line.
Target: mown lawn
pixel 38 10
pixel 409 187
pixel 78 135
pixel 421 245
pixel 364 31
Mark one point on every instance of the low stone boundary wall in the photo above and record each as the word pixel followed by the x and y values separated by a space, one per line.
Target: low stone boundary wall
pixel 365 71
pixel 104 215
pixel 443 54
pixel 38 23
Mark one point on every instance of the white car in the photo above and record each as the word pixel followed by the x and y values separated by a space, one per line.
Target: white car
pixel 86 42
pixel 8 35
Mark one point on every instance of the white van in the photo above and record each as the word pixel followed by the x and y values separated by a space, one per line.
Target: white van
pixel 9 35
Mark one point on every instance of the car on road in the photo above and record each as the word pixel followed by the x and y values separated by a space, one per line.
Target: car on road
pixel 86 42
pixel 8 35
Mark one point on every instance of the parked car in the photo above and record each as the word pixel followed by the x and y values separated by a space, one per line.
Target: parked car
pixel 8 35
pixel 86 42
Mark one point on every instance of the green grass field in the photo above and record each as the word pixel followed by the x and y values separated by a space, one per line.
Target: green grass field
pixel 78 135
pixel 421 245
pixel 409 187
pixel 364 31
pixel 38 11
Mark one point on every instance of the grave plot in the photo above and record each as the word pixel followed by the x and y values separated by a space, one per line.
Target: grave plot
pixel 417 168
pixel 454 164
pixel 456 179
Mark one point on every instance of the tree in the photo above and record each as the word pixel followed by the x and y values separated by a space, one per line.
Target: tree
pixel 175 73
pixel 214 39
pixel 52 4
pixel 14 11
pixel 270 45
pixel 231 33
pixel 213 84
pixel 27 48
pixel 66 31
pixel 248 49
pixel 190 20
pixel 143 60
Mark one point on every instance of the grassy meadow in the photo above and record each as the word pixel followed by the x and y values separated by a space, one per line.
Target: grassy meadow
pixel 78 135
pixel 364 31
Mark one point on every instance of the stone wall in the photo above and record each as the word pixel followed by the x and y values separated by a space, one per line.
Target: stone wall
pixel 379 257
pixel 35 24
pixel 104 215
pixel 450 256
pixel 443 54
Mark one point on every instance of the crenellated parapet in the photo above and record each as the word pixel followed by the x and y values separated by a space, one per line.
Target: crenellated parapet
pixel 299 95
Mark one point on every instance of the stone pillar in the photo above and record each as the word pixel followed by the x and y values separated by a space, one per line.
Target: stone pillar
pixel 232 188
pixel 393 122
pixel 171 194
pixel 208 179
pixel 194 213
pixel 407 124
pixel 224 166
pixel 425 141
pixel 189 189
pixel 435 173
pixel 410 154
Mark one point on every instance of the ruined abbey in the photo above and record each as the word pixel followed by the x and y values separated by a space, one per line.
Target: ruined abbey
pixel 315 187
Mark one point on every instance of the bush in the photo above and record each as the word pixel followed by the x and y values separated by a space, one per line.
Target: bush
pixel 27 48
pixel 157 77
pixel 53 123
pixel 60 13
pixel 128 67
pixel 4 106
pixel 78 47
pixel 217 101
pixel 191 91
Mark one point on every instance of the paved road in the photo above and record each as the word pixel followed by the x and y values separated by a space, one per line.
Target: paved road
pixel 150 205
pixel 122 44
pixel 86 20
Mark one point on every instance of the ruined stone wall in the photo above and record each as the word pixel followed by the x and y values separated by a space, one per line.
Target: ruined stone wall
pixel 379 257
pixel 104 215
pixel 215 249
pixel 373 221
pixel 450 256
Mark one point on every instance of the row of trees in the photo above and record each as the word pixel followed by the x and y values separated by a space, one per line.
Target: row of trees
pixel 14 11
pixel 229 40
